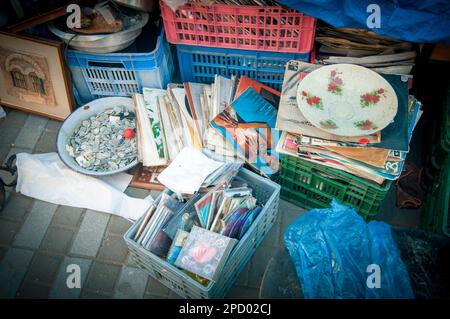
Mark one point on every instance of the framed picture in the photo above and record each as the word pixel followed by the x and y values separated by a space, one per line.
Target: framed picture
pixel 33 76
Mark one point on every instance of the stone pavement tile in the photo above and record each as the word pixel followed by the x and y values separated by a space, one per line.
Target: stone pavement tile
pixel 90 234
pixel 102 277
pixel 242 279
pixel 57 240
pixel 67 216
pixel 31 131
pixel 173 295
pixel 8 229
pixel 131 284
pixel 258 265
pixel 118 225
pixel 14 118
pixel 9 135
pixel 16 150
pixel 154 287
pixel 12 270
pixel 88 294
pixel 272 237
pixel 46 143
pixel 4 150
pixel 53 126
pixel 17 207
pixel 240 292
pixel 35 226
pixel 151 296
pixel 60 290
pixel 44 268
pixel 289 213
pixel 113 249
pixel 130 261
pixel 33 290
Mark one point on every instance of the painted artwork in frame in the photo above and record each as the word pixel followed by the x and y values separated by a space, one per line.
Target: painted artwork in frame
pixel 33 76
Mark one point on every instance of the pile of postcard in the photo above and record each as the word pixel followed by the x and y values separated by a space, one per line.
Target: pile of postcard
pixel 233 118
pixel 365 48
pixel 375 157
pixel 196 227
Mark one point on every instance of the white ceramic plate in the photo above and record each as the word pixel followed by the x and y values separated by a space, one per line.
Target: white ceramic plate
pixel 347 100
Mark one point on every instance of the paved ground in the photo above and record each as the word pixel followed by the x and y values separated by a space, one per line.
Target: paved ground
pixel 38 239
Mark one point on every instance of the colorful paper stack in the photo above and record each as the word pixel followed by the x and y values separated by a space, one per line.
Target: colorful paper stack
pixel 374 155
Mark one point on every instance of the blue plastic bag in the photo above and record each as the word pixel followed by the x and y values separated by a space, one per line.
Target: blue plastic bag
pixel 337 255
pixel 410 20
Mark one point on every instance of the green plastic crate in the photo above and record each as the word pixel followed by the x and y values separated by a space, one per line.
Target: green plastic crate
pixel 436 215
pixel 311 185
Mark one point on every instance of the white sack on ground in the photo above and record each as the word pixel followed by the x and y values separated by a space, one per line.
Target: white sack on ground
pixel 46 177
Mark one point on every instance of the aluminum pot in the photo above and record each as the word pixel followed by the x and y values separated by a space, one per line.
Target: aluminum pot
pixel 103 43
pixel 73 122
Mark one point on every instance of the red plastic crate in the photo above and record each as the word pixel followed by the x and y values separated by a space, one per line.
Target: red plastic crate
pixel 239 27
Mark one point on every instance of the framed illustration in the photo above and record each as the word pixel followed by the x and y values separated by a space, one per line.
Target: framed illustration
pixel 33 76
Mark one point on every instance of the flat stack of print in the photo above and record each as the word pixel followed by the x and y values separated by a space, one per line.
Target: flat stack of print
pixel 347 117
pixel 365 48
pixel 230 118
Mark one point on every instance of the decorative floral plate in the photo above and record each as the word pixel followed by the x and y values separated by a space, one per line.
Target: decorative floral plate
pixel 347 100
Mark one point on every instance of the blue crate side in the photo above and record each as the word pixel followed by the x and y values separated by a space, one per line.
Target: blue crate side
pixel 201 64
pixel 266 192
pixel 120 74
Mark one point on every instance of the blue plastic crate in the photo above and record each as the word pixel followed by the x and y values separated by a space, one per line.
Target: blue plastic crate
pixel 120 74
pixel 267 193
pixel 200 64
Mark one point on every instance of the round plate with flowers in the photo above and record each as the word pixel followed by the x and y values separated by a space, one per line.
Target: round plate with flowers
pixel 347 100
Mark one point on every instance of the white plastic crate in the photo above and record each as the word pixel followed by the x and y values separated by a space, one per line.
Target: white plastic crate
pixel 120 74
pixel 267 193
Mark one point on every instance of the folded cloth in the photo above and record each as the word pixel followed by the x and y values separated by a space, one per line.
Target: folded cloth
pixel 409 193
pixel 47 178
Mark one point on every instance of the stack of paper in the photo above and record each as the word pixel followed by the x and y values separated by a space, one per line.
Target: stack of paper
pixel 365 48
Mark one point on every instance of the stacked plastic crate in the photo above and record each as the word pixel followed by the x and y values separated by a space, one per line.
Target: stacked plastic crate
pixel 255 41
pixel 121 73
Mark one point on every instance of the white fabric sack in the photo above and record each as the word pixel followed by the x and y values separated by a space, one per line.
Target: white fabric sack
pixel 46 177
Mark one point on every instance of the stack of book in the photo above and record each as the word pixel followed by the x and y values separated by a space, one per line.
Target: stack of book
pixel 230 117
pixel 365 48
pixel 376 157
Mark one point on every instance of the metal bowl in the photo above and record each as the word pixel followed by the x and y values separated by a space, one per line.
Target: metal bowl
pixel 73 122
pixel 103 43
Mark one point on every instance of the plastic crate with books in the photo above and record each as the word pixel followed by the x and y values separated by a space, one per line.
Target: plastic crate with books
pixel 345 134
pixel 198 246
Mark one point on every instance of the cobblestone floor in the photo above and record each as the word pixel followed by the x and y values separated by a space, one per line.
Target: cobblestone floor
pixel 38 239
